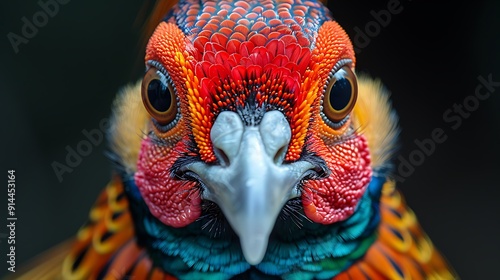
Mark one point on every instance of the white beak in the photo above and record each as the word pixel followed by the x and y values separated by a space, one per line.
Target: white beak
pixel 252 184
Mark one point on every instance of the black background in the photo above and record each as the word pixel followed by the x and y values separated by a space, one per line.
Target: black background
pixel 65 78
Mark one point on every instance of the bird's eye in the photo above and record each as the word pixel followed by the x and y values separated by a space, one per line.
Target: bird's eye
pixel 340 96
pixel 158 96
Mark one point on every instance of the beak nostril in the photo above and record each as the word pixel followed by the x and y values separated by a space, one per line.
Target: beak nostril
pixel 222 157
pixel 280 155
pixel 226 136
pixel 276 134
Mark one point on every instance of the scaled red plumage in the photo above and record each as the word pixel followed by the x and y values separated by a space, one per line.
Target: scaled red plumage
pixel 247 61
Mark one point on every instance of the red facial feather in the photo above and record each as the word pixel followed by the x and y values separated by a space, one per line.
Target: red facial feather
pixel 334 198
pixel 176 203
pixel 173 202
pixel 229 60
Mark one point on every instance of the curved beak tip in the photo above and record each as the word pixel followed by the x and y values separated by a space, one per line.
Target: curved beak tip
pixel 254 249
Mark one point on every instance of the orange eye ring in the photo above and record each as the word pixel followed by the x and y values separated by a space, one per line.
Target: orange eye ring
pixel 158 96
pixel 340 97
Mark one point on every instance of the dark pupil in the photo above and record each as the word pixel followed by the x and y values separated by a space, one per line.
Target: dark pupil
pixel 340 94
pixel 159 95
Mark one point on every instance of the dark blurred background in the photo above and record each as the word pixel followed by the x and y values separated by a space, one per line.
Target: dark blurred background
pixel 63 80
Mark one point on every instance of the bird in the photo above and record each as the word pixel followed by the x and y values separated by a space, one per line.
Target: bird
pixel 250 149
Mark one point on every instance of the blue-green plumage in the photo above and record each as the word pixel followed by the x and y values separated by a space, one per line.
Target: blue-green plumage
pixel 298 248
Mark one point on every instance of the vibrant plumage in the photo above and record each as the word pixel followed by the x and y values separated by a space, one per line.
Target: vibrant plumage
pixel 252 151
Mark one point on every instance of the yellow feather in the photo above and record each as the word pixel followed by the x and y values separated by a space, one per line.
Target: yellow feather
pixel 373 116
pixel 129 125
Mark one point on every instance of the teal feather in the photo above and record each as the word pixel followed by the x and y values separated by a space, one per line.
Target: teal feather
pixel 311 251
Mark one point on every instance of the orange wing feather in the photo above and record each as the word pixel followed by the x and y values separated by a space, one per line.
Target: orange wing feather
pixel 402 249
pixel 106 247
